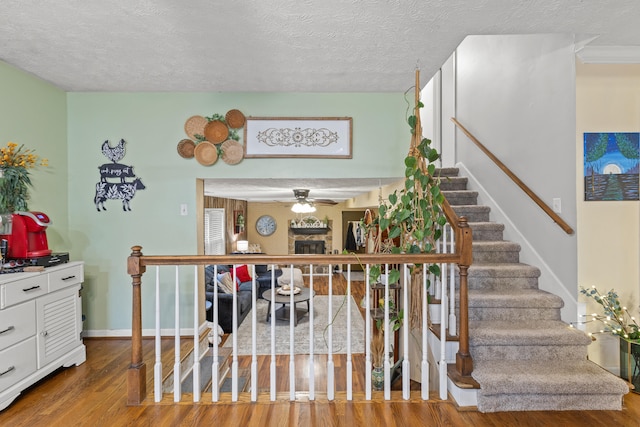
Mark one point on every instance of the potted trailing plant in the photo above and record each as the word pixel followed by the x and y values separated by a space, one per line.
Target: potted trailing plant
pixel 411 219
pixel 617 320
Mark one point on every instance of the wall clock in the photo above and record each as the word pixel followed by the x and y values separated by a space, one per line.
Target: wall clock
pixel 266 225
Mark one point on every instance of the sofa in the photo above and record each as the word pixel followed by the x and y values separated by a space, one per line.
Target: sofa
pixel 225 296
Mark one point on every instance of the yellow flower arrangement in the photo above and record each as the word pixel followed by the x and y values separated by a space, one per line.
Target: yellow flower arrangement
pixel 15 162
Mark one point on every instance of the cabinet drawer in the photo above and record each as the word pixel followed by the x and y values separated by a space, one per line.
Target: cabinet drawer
pixel 65 277
pixel 17 323
pixel 17 362
pixel 25 289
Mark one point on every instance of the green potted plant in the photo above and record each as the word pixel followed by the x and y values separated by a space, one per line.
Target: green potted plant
pixel 617 320
pixel 412 219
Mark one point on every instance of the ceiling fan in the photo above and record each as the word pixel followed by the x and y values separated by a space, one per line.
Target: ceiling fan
pixel 304 204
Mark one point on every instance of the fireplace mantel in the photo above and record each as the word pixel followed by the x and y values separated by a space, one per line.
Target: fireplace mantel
pixel 310 230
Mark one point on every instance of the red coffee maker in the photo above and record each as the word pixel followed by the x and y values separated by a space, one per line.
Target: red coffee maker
pixel 28 238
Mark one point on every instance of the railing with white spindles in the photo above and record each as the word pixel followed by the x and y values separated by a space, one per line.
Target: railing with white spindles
pixel 451 252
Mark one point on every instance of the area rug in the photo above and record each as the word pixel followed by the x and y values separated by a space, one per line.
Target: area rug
pixel 355 276
pixel 301 332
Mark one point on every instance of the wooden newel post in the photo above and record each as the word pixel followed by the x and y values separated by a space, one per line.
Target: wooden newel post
pixel 464 362
pixel 137 372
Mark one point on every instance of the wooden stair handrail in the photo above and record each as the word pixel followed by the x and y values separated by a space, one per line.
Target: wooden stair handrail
pixel 554 216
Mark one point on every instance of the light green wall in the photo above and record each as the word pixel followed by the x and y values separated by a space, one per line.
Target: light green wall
pixel 34 113
pixel 152 124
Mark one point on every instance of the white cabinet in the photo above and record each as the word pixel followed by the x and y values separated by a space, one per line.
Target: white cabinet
pixel 40 326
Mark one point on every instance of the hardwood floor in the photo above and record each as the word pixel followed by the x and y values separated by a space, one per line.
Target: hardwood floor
pixel 93 394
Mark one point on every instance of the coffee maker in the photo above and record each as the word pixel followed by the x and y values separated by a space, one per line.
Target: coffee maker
pixel 28 238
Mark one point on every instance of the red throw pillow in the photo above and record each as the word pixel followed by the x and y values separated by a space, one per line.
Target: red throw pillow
pixel 242 274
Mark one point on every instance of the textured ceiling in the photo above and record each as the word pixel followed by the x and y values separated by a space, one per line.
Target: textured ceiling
pixel 276 45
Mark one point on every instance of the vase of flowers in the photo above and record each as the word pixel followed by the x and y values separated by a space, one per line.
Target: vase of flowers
pixel 15 181
pixel 618 321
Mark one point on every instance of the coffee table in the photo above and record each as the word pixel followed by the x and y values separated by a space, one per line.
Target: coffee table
pixel 282 312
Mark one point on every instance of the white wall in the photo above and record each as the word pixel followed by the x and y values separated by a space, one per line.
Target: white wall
pixel 516 94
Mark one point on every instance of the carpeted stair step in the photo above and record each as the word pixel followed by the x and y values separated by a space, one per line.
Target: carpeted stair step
pixel 453 183
pixel 529 385
pixel 517 304
pixel 447 172
pixel 486 231
pixel 499 276
pixel 473 213
pixel 496 251
pixel 461 197
pixel 526 339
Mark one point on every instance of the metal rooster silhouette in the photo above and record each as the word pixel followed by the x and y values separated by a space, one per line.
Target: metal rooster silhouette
pixel 120 189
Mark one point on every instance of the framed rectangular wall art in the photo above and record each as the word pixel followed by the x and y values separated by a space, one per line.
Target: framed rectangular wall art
pixel 323 137
pixel 611 166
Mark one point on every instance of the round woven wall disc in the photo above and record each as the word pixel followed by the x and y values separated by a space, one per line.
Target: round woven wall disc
pixel 206 153
pixel 235 119
pixel 195 126
pixel 216 131
pixel 232 152
pixel 185 148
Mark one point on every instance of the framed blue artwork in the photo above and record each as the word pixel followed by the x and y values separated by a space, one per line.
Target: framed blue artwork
pixel 611 166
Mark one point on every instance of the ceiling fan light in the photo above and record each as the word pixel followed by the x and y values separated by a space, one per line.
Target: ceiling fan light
pixel 303 207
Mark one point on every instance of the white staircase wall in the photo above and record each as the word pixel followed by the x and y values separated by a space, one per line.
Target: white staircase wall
pixel 517 95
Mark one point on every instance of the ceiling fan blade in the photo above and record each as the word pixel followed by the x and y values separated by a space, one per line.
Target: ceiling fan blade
pixel 324 201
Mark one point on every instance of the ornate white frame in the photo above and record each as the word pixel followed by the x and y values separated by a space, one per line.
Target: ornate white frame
pixel 286 137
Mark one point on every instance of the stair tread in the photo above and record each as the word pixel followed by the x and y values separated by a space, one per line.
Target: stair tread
pixel 497 269
pixel 530 332
pixel 521 298
pixel 494 245
pixel 541 377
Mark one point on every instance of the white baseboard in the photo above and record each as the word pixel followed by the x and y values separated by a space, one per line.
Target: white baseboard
pixel 126 333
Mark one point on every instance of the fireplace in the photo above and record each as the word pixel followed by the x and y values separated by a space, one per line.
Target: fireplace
pixel 309 247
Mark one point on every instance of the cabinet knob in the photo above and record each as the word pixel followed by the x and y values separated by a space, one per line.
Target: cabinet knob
pixel 45 333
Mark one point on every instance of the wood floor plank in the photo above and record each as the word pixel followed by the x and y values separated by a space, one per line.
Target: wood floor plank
pixel 94 395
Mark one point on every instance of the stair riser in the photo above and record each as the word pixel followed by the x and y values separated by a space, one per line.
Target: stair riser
pixel 455 199
pixel 502 283
pixel 450 172
pixel 473 213
pixel 526 352
pixel 486 313
pixel 496 256
pixel 453 184
pixel 549 402
pixel 486 235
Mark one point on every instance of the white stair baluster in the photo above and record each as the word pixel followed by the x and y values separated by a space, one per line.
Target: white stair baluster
pixel 386 335
pixel 195 372
pixel 367 338
pixel 425 340
pixel 177 373
pixel 215 366
pixel 330 365
pixel 273 334
pixel 292 344
pixel 406 377
pixel 254 339
pixel 157 368
pixel 349 364
pixel 234 338
pixel 453 321
pixel 312 367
